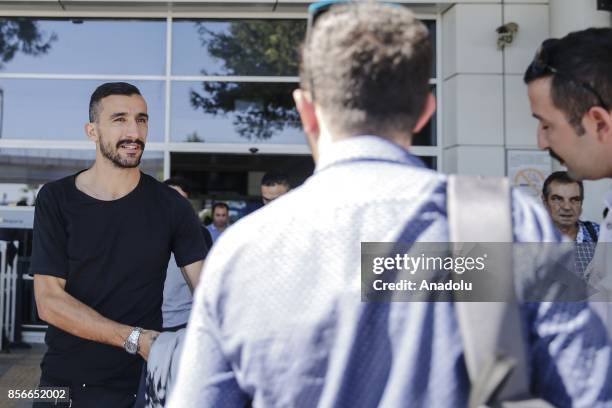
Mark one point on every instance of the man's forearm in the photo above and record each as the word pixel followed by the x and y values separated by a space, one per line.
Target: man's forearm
pixel 69 314
pixel 191 273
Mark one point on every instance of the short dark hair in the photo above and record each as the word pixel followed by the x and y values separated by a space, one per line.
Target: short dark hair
pixel 108 89
pixel 274 177
pixel 181 182
pixel 369 65
pixel 561 177
pixel 221 205
pixel 576 62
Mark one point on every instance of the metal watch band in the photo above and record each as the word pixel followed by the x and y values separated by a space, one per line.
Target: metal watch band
pixel 131 343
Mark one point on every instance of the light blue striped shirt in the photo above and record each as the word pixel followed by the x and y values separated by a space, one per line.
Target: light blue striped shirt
pixel 278 319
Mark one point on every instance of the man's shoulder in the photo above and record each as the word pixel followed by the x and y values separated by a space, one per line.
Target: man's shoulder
pixel 56 189
pixel 587 224
pixel 589 230
pixel 153 184
pixel 164 192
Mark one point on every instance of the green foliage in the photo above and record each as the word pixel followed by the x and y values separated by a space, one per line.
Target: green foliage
pixel 255 47
pixel 251 47
pixel 194 138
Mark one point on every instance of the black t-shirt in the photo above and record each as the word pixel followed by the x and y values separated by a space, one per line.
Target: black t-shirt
pixel 113 256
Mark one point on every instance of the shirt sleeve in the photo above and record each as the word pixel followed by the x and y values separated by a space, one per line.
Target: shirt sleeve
pixel 188 243
pixel 49 254
pixel 205 377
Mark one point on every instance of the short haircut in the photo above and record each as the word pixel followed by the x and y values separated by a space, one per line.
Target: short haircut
pixel 369 65
pixel 219 205
pixel 560 177
pixel 274 177
pixel 108 89
pixel 184 184
pixel 581 57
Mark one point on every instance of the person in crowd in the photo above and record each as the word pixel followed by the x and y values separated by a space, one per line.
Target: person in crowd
pixel 220 220
pixel 177 292
pixel 274 184
pixel 102 241
pixel 570 93
pixel 178 297
pixel 563 197
pixel 281 321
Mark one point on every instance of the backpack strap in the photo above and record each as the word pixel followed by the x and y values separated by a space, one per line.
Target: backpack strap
pixel 591 229
pixel 479 210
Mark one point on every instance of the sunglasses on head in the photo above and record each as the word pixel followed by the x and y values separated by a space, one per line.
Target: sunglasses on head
pixel 540 66
pixel 316 10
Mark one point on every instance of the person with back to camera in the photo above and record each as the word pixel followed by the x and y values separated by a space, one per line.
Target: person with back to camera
pixel 281 321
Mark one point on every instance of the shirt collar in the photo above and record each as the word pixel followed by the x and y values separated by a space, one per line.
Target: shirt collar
pixel 366 148
pixel 580 236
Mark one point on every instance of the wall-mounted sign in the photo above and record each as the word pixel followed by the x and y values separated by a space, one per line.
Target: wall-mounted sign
pixel 527 170
pixel 16 217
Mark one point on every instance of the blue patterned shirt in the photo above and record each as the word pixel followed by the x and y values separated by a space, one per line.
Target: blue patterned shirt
pixel 585 247
pixel 278 319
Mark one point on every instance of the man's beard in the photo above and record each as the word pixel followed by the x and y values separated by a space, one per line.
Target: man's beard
pixel 570 172
pixel 113 154
pixel 555 156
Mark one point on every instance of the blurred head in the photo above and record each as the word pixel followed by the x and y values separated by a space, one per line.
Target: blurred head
pixel 365 69
pixel 220 215
pixel 118 124
pixel 570 91
pixel 562 197
pixel 179 184
pixel 274 184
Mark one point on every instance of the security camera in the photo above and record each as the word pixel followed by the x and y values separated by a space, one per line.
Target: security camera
pixel 506 34
pixel 253 150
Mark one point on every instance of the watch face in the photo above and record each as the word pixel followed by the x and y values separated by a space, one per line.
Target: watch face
pixel 131 347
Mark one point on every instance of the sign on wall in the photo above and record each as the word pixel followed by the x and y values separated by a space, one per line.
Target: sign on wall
pixel 527 170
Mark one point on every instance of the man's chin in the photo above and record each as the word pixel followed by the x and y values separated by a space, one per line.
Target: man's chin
pixel 130 161
pixel 127 163
pixel 574 175
pixel 584 175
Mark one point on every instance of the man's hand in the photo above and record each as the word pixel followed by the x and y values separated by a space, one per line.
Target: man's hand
pixel 145 340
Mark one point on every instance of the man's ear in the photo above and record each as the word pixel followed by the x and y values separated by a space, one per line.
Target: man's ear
pixel 601 119
pixel 310 123
pixel 428 110
pixel 90 131
pixel 306 110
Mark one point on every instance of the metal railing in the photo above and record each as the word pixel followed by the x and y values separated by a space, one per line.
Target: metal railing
pixel 8 291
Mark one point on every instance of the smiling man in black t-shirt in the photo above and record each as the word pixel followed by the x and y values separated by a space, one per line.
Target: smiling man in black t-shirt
pixel 102 241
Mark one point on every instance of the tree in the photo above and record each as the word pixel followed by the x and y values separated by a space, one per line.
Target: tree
pixel 249 47
pixel 22 35
pixel 194 138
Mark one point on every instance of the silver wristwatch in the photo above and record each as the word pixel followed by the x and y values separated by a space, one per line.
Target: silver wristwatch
pixel 131 343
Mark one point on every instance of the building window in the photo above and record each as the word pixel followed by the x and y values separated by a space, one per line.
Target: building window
pixel 212 85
